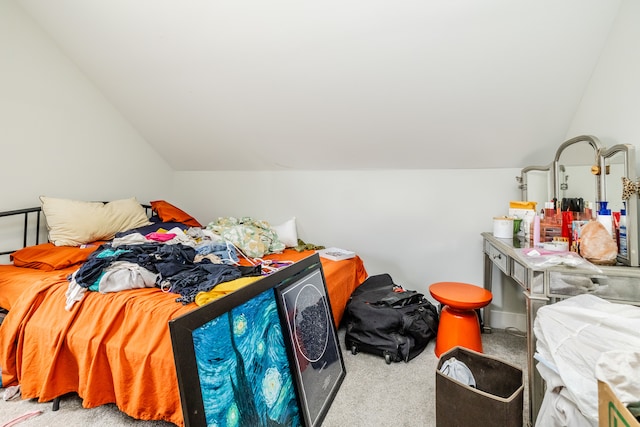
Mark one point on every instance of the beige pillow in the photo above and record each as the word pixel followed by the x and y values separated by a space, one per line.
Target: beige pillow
pixel 74 223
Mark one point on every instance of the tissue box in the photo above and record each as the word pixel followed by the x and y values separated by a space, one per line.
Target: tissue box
pixel 521 213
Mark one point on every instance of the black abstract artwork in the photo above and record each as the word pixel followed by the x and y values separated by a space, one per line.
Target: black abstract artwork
pixel 313 343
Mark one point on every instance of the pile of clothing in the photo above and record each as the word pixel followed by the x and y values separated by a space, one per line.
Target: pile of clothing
pixel 179 260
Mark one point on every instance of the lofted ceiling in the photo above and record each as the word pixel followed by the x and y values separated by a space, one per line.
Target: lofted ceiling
pixel 350 84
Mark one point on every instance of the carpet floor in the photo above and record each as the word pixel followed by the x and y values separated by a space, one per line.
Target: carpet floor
pixel 372 394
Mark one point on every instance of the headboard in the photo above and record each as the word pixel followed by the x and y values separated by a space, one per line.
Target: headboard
pixel 33 228
pixel 26 230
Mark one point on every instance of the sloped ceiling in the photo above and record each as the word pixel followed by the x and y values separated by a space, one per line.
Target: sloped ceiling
pixel 351 84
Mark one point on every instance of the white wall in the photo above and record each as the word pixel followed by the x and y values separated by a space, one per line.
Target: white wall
pixel 610 107
pixel 59 136
pixel 420 226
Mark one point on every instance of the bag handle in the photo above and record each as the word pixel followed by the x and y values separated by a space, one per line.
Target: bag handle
pixel 400 299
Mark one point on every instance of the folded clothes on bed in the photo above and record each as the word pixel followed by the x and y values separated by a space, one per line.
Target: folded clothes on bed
pixel 171 267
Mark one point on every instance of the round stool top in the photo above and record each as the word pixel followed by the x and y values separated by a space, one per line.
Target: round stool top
pixel 460 295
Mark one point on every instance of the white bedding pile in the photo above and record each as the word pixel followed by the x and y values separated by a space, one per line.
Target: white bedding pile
pixel 572 336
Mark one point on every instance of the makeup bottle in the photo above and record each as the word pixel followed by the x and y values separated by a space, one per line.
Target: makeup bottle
pixel 622 247
pixel 604 218
pixel 549 210
pixel 536 231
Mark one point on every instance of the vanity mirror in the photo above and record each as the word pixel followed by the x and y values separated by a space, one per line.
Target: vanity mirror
pixel 614 163
pixel 536 183
pixel 619 164
pixel 569 176
pixel 573 170
pixel 584 171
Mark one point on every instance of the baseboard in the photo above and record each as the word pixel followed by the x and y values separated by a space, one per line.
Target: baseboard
pixel 504 320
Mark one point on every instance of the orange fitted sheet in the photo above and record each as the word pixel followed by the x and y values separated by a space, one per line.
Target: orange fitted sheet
pixel 14 280
pixel 110 348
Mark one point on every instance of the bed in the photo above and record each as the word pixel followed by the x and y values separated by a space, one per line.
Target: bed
pixel 114 347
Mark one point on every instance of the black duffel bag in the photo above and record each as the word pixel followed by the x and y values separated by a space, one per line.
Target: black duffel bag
pixel 383 318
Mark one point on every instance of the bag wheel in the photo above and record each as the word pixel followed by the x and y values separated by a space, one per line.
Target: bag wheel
pixel 354 349
pixel 387 358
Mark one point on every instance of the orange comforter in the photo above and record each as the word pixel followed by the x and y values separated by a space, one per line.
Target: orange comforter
pixel 110 348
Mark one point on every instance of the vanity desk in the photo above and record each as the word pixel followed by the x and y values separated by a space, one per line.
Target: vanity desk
pixel 546 286
pixel 582 173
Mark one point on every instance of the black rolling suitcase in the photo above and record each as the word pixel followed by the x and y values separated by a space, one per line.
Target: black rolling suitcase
pixel 383 318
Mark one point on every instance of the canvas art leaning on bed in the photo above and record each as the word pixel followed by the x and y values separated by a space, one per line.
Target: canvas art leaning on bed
pixel 88 311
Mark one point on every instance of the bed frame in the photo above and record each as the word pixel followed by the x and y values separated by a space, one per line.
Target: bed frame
pixel 38 229
pixel 37 211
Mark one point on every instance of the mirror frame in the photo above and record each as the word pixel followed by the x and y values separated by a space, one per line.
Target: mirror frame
pixel 629 152
pixel 597 147
pixel 522 179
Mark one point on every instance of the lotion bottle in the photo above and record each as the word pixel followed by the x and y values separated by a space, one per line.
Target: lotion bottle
pixel 604 218
pixel 622 248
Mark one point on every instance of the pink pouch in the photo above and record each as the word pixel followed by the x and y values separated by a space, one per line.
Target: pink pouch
pixel 160 237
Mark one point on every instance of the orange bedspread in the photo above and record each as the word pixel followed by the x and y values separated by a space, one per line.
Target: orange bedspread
pixel 110 348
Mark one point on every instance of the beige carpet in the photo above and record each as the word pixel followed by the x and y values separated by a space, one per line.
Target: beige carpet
pixel 372 394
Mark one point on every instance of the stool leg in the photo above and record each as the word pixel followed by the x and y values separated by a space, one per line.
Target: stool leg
pixel 480 319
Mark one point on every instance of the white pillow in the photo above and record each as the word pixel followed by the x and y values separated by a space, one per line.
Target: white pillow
pixel 74 223
pixel 287 233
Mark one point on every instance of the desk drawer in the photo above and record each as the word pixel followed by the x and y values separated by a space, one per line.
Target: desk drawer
pixel 519 274
pixel 499 258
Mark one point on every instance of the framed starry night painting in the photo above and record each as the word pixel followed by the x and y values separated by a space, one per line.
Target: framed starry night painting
pixel 234 359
